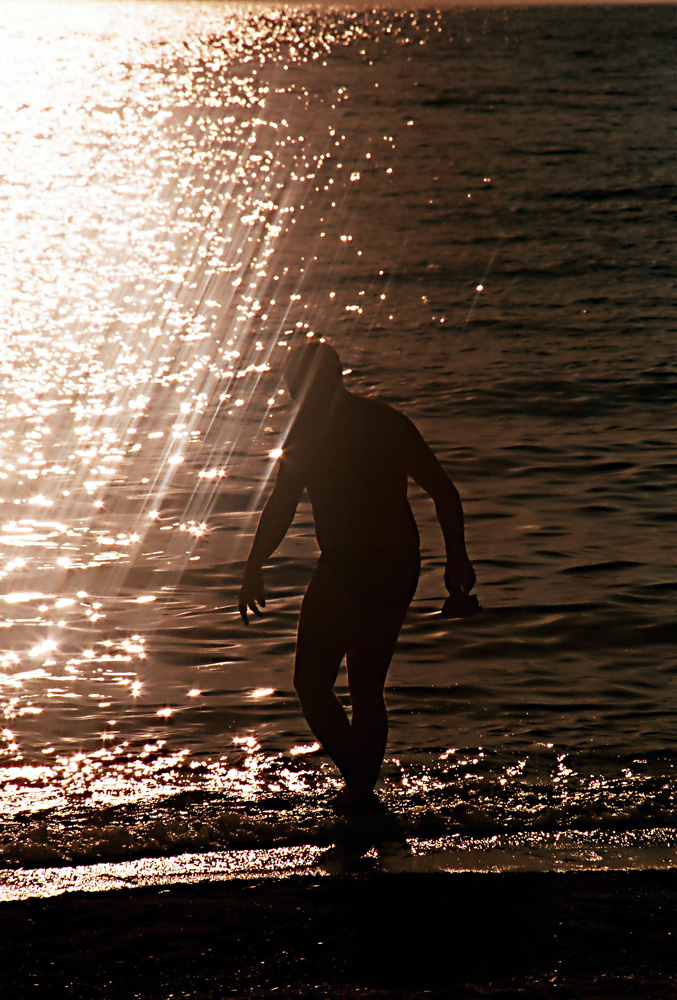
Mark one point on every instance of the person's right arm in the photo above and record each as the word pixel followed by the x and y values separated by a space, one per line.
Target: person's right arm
pixel 276 517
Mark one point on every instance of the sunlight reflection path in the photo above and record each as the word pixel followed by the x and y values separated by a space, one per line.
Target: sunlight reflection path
pixel 157 184
pixel 154 188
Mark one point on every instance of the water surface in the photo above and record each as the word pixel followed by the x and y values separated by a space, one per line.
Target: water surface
pixel 477 208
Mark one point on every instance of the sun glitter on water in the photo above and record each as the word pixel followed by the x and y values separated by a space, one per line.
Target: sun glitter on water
pixel 147 299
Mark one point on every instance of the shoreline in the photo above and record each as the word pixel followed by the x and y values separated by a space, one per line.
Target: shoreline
pixel 358 849
pixel 376 934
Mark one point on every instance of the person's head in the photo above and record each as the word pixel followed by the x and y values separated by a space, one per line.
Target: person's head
pixel 313 367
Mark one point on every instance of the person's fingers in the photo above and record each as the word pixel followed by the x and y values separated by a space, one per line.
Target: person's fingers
pixel 250 602
pixel 243 606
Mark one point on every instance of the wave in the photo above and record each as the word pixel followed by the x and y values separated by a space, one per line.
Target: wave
pixel 287 805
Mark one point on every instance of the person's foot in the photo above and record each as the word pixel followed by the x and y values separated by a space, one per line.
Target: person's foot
pixel 460 605
pixel 349 803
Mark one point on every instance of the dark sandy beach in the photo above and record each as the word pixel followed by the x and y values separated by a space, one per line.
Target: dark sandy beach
pixel 574 935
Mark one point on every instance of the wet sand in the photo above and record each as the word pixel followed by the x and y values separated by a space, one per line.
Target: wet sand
pixel 577 935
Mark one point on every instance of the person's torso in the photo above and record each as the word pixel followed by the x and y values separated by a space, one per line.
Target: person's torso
pixel 353 463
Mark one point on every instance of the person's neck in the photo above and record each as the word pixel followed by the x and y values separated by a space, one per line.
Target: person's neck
pixel 324 399
pixel 317 410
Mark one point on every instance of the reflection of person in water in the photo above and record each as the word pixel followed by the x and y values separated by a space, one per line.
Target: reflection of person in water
pixel 354 456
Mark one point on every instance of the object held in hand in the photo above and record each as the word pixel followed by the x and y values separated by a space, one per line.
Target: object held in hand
pixel 460 605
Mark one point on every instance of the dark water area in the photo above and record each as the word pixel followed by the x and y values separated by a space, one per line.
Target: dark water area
pixel 477 208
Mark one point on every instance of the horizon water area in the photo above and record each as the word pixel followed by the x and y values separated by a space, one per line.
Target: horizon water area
pixel 476 207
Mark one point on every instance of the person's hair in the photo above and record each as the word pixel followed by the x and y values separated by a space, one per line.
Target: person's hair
pixel 312 362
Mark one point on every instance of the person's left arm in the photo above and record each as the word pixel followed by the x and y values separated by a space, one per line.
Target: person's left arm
pixel 424 468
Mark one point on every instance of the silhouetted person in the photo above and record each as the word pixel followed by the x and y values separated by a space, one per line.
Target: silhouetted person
pixel 354 456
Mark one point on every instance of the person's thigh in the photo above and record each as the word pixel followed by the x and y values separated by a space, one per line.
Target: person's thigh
pixel 328 625
pixel 393 578
pixel 369 655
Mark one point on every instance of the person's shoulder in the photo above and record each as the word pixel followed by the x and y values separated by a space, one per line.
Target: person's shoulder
pixel 385 421
pixel 379 409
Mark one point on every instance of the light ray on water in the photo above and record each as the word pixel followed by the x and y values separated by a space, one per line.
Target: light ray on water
pixel 259 202
pixel 162 306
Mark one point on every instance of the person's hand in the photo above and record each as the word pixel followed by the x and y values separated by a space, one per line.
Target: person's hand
pixel 252 595
pixel 459 574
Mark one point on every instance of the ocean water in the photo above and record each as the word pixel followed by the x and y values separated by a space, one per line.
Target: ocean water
pixel 476 206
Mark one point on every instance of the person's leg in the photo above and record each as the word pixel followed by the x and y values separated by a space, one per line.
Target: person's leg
pixel 335 623
pixel 328 624
pixel 368 660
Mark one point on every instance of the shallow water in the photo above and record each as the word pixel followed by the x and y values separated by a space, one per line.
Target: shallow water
pixel 477 208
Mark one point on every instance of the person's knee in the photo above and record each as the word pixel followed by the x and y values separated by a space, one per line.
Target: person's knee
pixel 310 685
pixel 366 683
pixel 367 707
